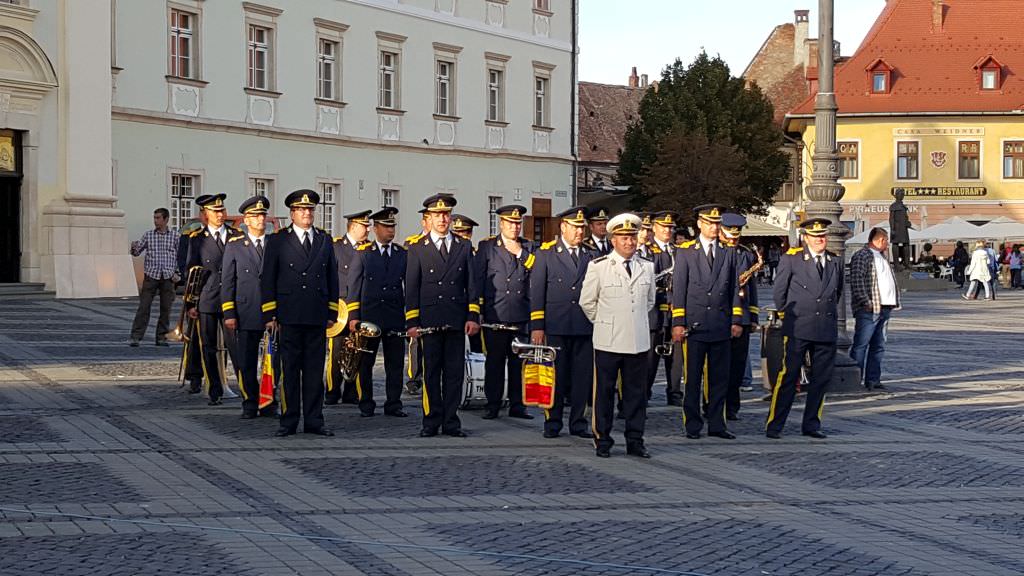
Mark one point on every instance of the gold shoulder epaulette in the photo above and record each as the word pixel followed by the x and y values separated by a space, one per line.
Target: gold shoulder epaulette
pixel 235 239
pixel 413 239
pixel 686 244
pixel 364 246
pixel 196 233
pixel 548 245
pixel 797 250
pixel 338 238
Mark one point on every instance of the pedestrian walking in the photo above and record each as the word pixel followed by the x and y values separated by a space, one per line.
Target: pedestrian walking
pixel 959 262
pixel 160 269
pixel 1014 260
pixel 980 272
pixel 874 294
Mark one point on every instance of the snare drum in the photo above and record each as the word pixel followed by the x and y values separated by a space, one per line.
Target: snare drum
pixel 473 395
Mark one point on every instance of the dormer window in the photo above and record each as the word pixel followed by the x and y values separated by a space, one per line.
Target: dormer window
pixel 989 73
pixel 879 77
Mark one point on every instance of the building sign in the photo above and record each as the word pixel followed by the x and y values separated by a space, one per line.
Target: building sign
pixel 943 191
pixel 858 209
pixel 939 159
pixel 938 131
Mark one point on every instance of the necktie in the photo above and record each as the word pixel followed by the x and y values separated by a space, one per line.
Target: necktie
pixel 259 247
pixel 601 245
pixel 306 244
pixel 711 254
pixel 821 265
pixel 387 251
pixel 575 257
pixel 220 242
pixel 629 272
pixel 444 250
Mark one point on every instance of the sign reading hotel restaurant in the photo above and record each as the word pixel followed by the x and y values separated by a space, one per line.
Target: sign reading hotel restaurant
pixel 938 131
pixel 943 191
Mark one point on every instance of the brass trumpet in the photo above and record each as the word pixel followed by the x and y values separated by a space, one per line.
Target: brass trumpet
pixel 536 353
pixel 189 298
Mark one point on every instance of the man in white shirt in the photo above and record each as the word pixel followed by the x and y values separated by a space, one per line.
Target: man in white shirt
pixel 874 294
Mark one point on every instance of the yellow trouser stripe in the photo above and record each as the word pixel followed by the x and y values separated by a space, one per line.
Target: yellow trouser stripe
pixel 707 383
pixel 241 385
pixel 778 382
pixel 330 364
pixel 686 363
pixel 359 386
pixel 593 403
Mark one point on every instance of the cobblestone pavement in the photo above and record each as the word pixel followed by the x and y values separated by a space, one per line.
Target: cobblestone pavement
pixel 108 467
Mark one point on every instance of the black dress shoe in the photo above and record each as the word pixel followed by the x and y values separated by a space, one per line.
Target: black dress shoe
pixel 551 433
pixel 397 414
pixel 195 386
pixel 583 434
pixel 724 434
pixel 637 450
pixel 773 435
pixel 248 415
pixel 330 401
pixel 268 414
pixel 456 434
pixel 818 434
pixel 427 433
pixel 319 432
pixel 367 414
pixel 878 386
pixel 603 452
pixel 216 402
pixel 282 432
pixel 490 415
pixel 732 417
pixel 350 401
pixel 675 402
pixel 693 435
pixel 521 415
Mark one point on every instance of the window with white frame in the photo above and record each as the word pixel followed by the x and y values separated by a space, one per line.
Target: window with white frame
pixel 540 101
pixel 262 187
pixel 184 188
pixel 327 69
pixel 495 95
pixel 444 88
pixel 544 5
pixel 388 198
pixel 329 194
pixel 260 51
pixel 849 160
pixel 183 41
pixel 388 80
pixel 493 203
pixel 907 160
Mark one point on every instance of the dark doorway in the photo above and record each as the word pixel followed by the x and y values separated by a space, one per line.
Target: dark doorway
pixel 539 225
pixel 10 206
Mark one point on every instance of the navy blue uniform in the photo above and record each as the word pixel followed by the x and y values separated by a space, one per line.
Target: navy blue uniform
pixel 739 354
pixel 555 284
pixel 337 387
pixel 205 251
pixel 659 319
pixel 505 283
pixel 808 305
pixel 300 290
pixel 376 294
pixel 705 299
pixel 242 301
pixel 193 360
pixel 441 292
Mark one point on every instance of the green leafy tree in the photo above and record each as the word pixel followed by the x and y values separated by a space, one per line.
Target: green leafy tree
pixel 703 136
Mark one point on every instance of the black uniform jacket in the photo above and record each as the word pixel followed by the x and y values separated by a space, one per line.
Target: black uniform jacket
pixel 504 280
pixel 555 284
pixel 299 288
pixel 440 292
pixel 705 299
pixel 203 250
pixel 808 302
pixel 240 288
pixel 376 287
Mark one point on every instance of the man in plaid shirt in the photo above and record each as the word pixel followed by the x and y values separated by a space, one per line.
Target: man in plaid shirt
pixel 874 294
pixel 160 267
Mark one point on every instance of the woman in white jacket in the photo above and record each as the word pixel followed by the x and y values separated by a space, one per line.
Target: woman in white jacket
pixel 979 272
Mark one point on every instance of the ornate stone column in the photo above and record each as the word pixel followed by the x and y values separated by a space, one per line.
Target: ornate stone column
pixel 825 192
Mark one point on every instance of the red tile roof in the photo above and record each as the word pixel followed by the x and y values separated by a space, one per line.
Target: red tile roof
pixel 934 70
pixel 605 112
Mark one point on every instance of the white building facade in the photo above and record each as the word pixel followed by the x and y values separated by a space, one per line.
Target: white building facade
pixel 369 102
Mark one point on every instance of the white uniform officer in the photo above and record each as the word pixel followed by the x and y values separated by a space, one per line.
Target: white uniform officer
pixel 618 290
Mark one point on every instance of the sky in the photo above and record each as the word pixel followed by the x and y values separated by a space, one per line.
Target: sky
pixel 616 35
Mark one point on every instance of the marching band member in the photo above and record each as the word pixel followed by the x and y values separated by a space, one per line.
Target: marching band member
pixel 662 226
pixel 503 266
pixel 299 289
pixel 808 290
pixel 462 226
pixel 415 372
pixel 597 239
pixel 240 295
pixel 344 253
pixel 441 294
pixel 706 315
pixel 206 249
pixel 376 294
pixel 617 293
pixel 191 358
pixel 739 355
pixel 556 319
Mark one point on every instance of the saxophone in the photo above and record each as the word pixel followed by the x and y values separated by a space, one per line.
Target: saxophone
pixel 746 275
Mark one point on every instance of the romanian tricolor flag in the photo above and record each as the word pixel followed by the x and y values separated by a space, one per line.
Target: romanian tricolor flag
pixel 538 383
pixel 267 374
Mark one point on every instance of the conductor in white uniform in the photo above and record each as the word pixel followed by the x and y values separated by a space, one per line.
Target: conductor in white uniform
pixel 618 290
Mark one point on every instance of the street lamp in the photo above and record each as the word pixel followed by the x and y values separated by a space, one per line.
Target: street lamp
pixel 825 191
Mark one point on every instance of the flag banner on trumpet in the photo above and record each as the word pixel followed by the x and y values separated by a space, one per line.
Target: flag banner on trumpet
pixel 267 374
pixel 539 383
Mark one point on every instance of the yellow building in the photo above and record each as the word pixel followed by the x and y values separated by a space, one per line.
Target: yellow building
pixel 928 105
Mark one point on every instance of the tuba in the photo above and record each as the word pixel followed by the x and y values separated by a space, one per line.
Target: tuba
pixel 363 339
pixel 339 324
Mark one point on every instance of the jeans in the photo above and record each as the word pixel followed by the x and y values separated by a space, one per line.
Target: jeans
pixel 869 343
pixel 150 288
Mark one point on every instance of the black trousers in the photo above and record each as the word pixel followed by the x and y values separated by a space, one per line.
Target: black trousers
pixel 500 359
pixel 337 387
pixel 394 359
pixel 302 355
pixel 705 363
pixel 476 343
pixel 823 359
pixel 149 289
pixel 674 389
pixel 739 355
pixel 658 337
pixel 574 379
pixel 609 367
pixel 248 354
pixel 415 360
pixel 209 324
pixel 193 357
pixel 444 373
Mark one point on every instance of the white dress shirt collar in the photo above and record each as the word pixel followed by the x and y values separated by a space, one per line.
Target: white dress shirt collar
pixel 253 239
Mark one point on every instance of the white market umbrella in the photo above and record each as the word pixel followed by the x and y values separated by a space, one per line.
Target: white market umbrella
pixel 956 228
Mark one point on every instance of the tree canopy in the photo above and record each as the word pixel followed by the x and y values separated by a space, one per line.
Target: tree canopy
pixel 703 136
